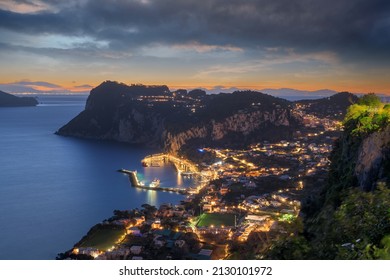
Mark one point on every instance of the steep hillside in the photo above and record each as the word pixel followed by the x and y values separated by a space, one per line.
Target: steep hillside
pixel 351 218
pixel 151 115
pixel 334 106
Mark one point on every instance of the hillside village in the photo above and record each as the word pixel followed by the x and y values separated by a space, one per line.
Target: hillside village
pixel 252 193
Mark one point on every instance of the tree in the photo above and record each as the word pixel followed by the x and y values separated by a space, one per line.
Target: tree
pixel 361 223
pixel 383 253
pixel 370 100
pixel 149 210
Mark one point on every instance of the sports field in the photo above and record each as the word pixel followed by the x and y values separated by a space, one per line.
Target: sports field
pixel 103 239
pixel 215 219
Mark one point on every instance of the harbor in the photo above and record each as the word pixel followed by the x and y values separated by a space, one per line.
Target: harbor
pixel 153 187
pixel 183 166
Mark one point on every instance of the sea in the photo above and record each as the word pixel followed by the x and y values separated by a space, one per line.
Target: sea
pixel 53 189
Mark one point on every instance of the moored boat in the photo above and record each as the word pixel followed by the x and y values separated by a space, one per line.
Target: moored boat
pixel 155 183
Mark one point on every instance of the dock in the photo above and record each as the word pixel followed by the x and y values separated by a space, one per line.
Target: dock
pixel 182 165
pixel 136 184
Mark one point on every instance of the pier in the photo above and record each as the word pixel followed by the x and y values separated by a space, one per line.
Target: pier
pixel 137 184
pixel 182 166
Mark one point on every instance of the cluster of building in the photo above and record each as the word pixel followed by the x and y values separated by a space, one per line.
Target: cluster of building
pixel 285 160
pixel 276 203
pixel 239 194
pixel 190 101
pixel 163 233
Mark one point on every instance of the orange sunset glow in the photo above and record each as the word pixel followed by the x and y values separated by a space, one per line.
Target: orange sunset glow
pixel 74 46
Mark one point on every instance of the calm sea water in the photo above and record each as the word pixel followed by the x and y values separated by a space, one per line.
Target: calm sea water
pixel 53 188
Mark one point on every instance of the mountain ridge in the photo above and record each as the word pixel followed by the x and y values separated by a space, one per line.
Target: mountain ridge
pixel 153 116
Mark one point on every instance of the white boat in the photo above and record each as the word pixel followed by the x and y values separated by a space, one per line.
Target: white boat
pixel 155 183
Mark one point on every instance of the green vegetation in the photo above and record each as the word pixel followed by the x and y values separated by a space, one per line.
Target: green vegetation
pixel 370 100
pixel 369 114
pixel 362 221
pixel 216 219
pixel 291 248
pixel 344 221
pixel 289 218
pixel 103 238
pixel 384 252
pixel 358 229
pixel 365 117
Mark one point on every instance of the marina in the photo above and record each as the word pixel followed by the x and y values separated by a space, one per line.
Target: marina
pixel 80 179
pixel 154 186
pixel 183 166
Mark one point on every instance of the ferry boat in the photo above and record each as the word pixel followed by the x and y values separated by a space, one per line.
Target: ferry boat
pixel 155 183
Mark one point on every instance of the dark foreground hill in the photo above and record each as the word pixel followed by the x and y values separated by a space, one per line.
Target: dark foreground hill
pixel 350 219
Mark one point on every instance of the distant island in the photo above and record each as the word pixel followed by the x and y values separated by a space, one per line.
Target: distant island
pixel 9 100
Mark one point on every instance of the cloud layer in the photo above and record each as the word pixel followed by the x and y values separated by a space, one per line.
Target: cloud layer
pixel 224 33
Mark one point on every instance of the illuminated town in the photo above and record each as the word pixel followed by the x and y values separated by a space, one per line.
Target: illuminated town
pixel 244 195
pixel 194 130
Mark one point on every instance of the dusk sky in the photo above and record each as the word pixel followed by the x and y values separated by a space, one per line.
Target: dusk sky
pixel 306 44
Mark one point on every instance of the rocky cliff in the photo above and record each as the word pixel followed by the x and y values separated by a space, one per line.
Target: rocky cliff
pixel 152 116
pixel 361 156
pixel 240 127
pixel 373 159
pixel 349 218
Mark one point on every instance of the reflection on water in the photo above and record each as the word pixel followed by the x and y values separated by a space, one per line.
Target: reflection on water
pixel 167 175
pixel 61 186
pixel 151 197
pixel 179 179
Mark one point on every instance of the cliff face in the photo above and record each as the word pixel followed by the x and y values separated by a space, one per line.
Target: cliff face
pixel 130 125
pixel 174 141
pixel 349 218
pixel 137 115
pixel 245 126
pixel 373 154
pixel 358 162
pixel 248 123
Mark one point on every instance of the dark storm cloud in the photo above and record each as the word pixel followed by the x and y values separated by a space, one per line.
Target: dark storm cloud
pixel 342 26
pixel 42 23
